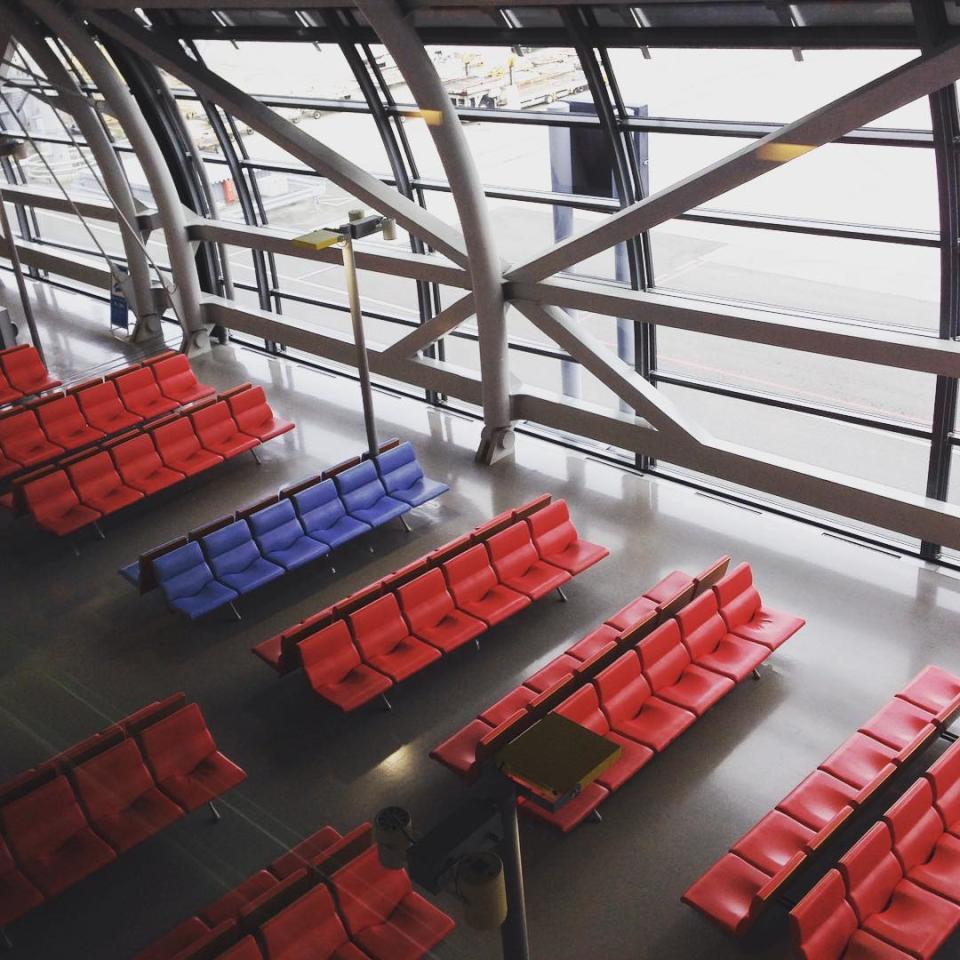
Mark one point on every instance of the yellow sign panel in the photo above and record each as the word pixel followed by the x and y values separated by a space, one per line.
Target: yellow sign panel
pixel 318 239
pixel 782 152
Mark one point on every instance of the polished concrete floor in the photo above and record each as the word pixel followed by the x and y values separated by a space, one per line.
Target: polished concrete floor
pixel 78 646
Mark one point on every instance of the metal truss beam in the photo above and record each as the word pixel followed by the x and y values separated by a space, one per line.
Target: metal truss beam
pixel 849 341
pixel 915 79
pixel 394 262
pixel 186 292
pixel 486 270
pixel 161 49
pixel 139 286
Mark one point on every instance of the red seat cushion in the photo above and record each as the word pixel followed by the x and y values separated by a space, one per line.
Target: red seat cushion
pixel 309 927
pixel 633 613
pixel 140 466
pixel 185 761
pixel 595 641
pixel 934 689
pixel 24 442
pixel 518 565
pixel 507 706
pixel 180 449
pixel 914 920
pixel 669 587
pixel 476 590
pixel 633 711
pixel 120 797
pixel 63 423
pixel 583 707
pixel 17 894
pixel 254 416
pixel 26 371
pixel 773 842
pixel 140 394
pixel 218 431
pixel 770 627
pixel 558 542
pixel 900 725
pixel 176 380
pixel 556 669
pixel 431 615
pixel 860 761
pixel 305 852
pixel 50 837
pixel 823 921
pixel 459 752
pixel 55 505
pixel 734 658
pixel 383 914
pixel 727 893
pixel 99 486
pixel 572 813
pixel 384 641
pixel 817 800
pixel 103 410
pixel 230 905
pixel 335 671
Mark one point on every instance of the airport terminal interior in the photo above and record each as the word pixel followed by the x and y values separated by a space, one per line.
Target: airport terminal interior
pixel 478 480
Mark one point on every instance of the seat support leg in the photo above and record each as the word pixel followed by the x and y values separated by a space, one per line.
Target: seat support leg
pixel 253 453
pixel 75 547
pixel 476 642
pixel 563 596
pixel 236 612
pixel 386 702
pixel 406 526
pixel 99 529
pixel 595 816
pixel 5 939
pixel 214 811
pixel 949 736
pixel 756 674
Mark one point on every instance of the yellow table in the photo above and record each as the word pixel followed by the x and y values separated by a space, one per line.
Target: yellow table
pixel 555 759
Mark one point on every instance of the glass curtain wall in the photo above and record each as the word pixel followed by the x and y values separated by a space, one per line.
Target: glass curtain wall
pixel 564 135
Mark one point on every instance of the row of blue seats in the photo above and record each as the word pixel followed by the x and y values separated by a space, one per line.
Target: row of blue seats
pixel 203 575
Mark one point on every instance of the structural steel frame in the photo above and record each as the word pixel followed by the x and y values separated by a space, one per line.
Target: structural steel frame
pixel 439 255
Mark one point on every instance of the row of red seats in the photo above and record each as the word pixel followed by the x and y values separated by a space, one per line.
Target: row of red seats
pixel 739 886
pixel 79 810
pixel 399 625
pixel 91 411
pixel 140 463
pixel 640 679
pixel 328 897
pixel 23 374
pixel 895 895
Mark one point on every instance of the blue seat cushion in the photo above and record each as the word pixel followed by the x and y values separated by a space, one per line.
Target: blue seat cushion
pixel 364 497
pixel 188 582
pixel 236 560
pixel 384 509
pixel 420 492
pixel 321 510
pixel 211 597
pixel 344 529
pixel 255 574
pixel 281 538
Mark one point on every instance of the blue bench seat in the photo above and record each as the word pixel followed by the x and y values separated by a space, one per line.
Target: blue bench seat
pixel 188 582
pixel 235 559
pixel 364 496
pixel 281 538
pixel 323 516
pixel 403 477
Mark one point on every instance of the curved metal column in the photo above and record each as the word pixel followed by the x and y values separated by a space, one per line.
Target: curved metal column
pixel 399 37
pixel 114 179
pixel 186 284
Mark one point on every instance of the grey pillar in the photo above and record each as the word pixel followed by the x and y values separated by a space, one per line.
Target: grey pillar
pixel 140 291
pixel 486 271
pixel 186 283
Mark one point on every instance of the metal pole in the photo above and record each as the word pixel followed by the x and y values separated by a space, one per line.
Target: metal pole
pixel 363 361
pixel 18 273
pixel 513 932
